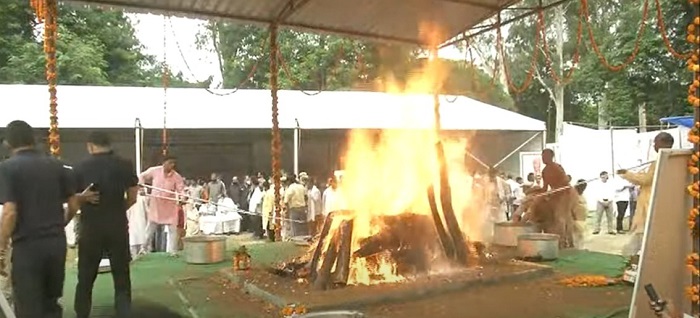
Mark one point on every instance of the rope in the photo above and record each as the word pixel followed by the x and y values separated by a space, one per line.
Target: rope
pixel 583 182
pixel 203 201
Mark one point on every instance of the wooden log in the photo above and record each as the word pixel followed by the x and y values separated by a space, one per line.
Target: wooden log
pixel 446 242
pixel 342 265
pixel 460 243
pixel 313 264
pixel 324 273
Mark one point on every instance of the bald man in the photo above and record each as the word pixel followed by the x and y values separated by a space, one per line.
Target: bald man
pixel 563 201
pixel 644 180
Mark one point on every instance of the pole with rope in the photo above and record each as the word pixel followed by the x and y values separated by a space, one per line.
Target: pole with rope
pixel 165 80
pixel 276 146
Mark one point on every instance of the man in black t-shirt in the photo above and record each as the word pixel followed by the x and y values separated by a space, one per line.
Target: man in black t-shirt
pixel 33 189
pixel 104 226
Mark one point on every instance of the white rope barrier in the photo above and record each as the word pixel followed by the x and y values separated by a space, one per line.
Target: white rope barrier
pixel 639 166
pixel 202 201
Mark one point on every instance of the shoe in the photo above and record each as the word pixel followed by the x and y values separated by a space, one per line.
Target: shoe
pixel 620 232
pixel 596 232
pixel 612 233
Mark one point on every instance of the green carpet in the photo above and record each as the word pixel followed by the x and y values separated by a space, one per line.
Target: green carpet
pixel 150 275
pixel 592 263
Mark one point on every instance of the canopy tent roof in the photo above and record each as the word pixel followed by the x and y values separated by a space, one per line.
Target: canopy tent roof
pixel 193 108
pixel 388 20
pixel 684 121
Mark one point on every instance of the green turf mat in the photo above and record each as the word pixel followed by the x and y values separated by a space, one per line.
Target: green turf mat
pixel 586 262
pixel 150 275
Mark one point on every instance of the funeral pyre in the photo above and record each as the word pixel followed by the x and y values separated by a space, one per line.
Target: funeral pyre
pixel 406 206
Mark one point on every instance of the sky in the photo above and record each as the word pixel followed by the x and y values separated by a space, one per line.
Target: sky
pixel 182 32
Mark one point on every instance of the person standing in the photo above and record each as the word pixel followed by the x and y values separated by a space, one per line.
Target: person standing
pixel 105 226
pixel 622 196
pixel 518 194
pixel 563 201
pixel 634 194
pixel 645 181
pixel 255 207
pixel 168 188
pixel 216 188
pixel 605 195
pixel 295 203
pixel 33 189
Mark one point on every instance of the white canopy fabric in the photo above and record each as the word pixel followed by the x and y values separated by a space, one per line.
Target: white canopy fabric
pixel 193 108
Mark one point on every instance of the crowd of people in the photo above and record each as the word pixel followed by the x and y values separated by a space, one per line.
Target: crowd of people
pixel 122 213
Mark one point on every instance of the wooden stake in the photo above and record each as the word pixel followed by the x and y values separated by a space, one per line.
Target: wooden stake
pixel 447 244
pixel 324 273
pixel 460 243
pixel 342 266
pixel 313 265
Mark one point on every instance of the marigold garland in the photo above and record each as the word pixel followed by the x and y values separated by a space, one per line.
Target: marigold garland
pixel 692 261
pixel 47 12
pixel 565 77
pixel 533 62
pixel 587 281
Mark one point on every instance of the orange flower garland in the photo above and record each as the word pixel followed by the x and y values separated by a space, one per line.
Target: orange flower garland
pixel 693 260
pixel 587 281
pixel 47 12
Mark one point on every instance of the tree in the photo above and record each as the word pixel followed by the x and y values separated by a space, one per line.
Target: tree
pixel 596 93
pixel 94 47
pixel 316 62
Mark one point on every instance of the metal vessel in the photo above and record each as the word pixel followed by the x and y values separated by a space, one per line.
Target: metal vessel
pixel 538 246
pixel 506 233
pixel 204 249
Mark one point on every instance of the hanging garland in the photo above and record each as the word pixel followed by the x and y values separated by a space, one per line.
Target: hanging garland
pixel 662 28
pixel 565 78
pixel 693 260
pixel 533 61
pixel 276 143
pixel 596 49
pixel 47 12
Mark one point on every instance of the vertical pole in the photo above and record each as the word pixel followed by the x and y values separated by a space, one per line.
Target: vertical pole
pixel 612 151
pixel 165 81
pixel 50 16
pixel 296 147
pixel 137 146
pixel 276 139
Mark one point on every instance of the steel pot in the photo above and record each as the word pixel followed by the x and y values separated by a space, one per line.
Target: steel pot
pixel 538 246
pixel 204 249
pixel 507 233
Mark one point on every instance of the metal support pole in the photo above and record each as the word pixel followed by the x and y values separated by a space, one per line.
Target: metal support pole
pixel 510 154
pixel 276 138
pixel 296 147
pixel 138 144
pixel 612 151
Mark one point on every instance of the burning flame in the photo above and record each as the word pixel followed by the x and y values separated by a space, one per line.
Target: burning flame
pixel 388 172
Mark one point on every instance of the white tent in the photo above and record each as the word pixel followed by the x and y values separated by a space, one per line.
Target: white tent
pixel 117 107
pixel 502 133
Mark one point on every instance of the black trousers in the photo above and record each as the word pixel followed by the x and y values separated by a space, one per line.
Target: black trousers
pixel 256 225
pixel 91 248
pixel 38 273
pixel 621 209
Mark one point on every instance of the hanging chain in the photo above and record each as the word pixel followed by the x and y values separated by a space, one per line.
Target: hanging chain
pixel 165 81
pixel 47 12
pixel 276 139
